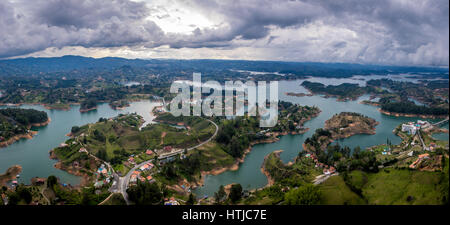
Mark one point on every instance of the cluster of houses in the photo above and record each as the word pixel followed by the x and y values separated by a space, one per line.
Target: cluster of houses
pixel 327 170
pixel 386 151
pixel 137 174
pixel 104 176
pixel 412 128
pixel 171 201
pixel 419 160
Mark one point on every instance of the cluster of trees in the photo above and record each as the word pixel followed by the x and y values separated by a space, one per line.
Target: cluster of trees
pixel 346 160
pixel 14 121
pixel 411 108
pixel 20 193
pixel 89 103
pixel 99 136
pixel 345 90
pixel 145 193
pixel 426 92
pixel 187 167
pixel 314 139
pixel 236 134
pixel 25 116
pixel 291 115
pixel 342 157
pixel 307 194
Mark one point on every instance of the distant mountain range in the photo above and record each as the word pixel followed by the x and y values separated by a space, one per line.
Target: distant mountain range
pixel 26 66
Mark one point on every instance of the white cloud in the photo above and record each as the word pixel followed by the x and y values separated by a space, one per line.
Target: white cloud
pixel 383 32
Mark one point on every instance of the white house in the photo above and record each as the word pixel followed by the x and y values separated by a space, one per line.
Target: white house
pixel 410 128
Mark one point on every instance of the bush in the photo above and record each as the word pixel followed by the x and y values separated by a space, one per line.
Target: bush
pixel 304 195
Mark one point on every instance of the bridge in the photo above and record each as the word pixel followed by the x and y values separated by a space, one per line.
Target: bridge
pixel 441 122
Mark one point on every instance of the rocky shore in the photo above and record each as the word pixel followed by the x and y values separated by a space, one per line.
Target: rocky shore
pixel 270 180
pixel 412 115
pixel 346 124
pixel 10 174
pixel 28 135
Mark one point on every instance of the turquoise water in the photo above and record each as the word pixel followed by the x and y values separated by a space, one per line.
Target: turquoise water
pixel 33 155
pixel 442 136
pixel 249 174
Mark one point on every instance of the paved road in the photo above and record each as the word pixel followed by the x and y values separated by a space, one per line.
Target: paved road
pixel 124 181
pixel 191 148
pixel 322 178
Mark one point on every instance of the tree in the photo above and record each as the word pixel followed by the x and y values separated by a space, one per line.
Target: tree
pixel 220 194
pixel 304 195
pixel 24 193
pixel 51 181
pixel 235 192
pixel 102 154
pixel 191 200
pixel 145 193
pixel 75 129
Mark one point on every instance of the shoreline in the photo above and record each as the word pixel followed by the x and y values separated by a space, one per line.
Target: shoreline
pixel 365 102
pixel 69 105
pixel 270 180
pixel 69 169
pixel 235 166
pixel 411 115
pixel 29 135
pixel 10 174
pixel 338 98
pixel 88 109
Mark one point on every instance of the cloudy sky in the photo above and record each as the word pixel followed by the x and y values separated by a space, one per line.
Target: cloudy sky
pixel 399 32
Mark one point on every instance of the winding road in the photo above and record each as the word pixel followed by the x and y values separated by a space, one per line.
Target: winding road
pixel 122 182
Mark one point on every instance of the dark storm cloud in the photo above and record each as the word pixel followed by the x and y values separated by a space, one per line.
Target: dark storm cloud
pixel 411 31
pixel 84 14
pixel 384 31
pixel 30 26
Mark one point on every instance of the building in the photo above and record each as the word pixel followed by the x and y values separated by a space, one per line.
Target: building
pixel 172 201
pixel 83 150
pixel 98 184
pixel 145 167
pixel 417 162
pixel 410 128
pixel 133 178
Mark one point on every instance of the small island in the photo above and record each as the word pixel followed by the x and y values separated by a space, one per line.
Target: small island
pixel 88 105
pixel 346 124
pixel 298 94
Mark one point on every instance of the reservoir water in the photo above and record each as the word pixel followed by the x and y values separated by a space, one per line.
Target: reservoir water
pixel 249 174
pixel 33 154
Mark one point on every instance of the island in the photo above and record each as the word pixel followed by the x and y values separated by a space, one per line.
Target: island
pixel 15 124
pixel 343 92
pixel 346 124
pixel 412 172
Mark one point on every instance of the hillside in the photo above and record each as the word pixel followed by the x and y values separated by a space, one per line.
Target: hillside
pixel 15 123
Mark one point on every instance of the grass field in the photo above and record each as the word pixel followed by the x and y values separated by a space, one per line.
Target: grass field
pixel 213 156
pixel 336 192
pixel 399 187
